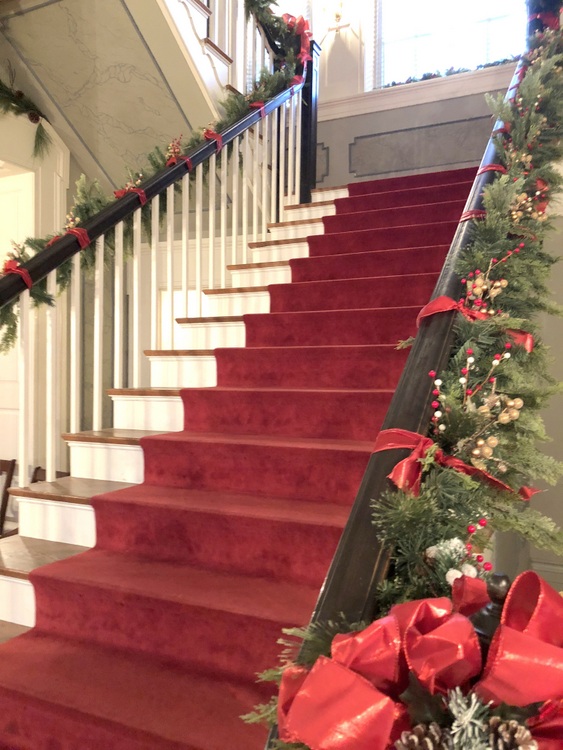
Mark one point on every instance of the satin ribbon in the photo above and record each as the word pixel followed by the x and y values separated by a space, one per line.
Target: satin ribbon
pixel 175 159
pixel 301 29
pixel 211 135
pixel 295 81
pixel 407 474
pixel 80 234
pixel 504 130
pixel 260 106
pixel 12 266
pixel 140 192
pixel 475 213
pixel 445 304
pixel 492 168
pixel 348 701
pixel 551 20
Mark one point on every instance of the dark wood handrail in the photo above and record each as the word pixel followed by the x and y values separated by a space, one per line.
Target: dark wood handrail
pixel 46 261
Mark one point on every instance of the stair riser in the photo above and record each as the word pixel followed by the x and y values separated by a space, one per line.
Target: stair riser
pixel 289 231
pixel 394 217
pixel 355 266
pixel 382 239
pixel 230 542
pixel 69 523
pixel 310 414
pixel 395 198
pixel 183 372
pixel 147 413
pixel 311 212
pixel 261 276
pixel 412 181
pixel 236 303
pixel 328 195
pixel 352 294
pixel 330 328
pixel 210 335
pixel 310 367
pixel 17 601
pixel 117 463
pixel 295 473
pixel 185 634
pixel 273 253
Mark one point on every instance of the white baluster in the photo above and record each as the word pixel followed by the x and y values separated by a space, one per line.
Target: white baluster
pixel 98 357
pixel 171 323
pixel 118 307
pixel 76 348
pixel 156 333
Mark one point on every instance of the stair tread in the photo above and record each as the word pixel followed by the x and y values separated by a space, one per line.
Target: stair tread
pixel 237 290
pixel 254 596
pixel 143 698
pixel 281 390
pixel 10 630
pixel 231 503
pixel 178 352
pixel 143 391
pixel 118 436
pixel 264 264
pixel 69 489
pixel 267 440
pixel 212 319
pixel 19 555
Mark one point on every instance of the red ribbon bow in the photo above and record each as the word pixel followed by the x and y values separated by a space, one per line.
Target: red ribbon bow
pixel 140 192
pixel 551 20
pixel 301 28
pixel 260 106
pixel 474 213
pixel 407 474
pixel 13 266
pixel 80 234
pixel 295 81
pixel 345 703
pixel 491 168
pixel 175 159
pixel 211 135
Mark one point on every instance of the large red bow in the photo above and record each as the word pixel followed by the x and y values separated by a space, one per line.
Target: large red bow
pixel 348 702
pixel 13 266
pixel 407 474
pixel 300 27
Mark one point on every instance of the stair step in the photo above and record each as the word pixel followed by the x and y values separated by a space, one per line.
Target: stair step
pixel 172 611
pixel 294 229
pixel 262 536
pixel 260 274
pixel 343 294
pixel 405 198
pixel 370 263
pixel 332 327
pixel 180 368
pixel 385 218
pixel 211 331
pixel 147 408
pixel 329 193
pixel 10 630
pixel 113 454
pixel 326 414
pixel 274 250
pixel 313 366
pixel 312 470
pixel 240 301
pixel 314 210
pixel 20 555
pixel 426 179
pixel 142 707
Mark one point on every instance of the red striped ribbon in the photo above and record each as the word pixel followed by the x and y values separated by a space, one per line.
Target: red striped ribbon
pixel 140 192
pixel 211 135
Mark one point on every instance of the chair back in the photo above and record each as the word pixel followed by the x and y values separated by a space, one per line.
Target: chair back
pixel 7 468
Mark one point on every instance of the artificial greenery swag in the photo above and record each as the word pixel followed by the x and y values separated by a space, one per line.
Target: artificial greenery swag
pixel 468 476
pixel 14 101
pixel 288 36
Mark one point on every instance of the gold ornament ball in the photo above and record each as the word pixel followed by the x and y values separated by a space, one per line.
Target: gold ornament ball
pixel 502 468
pixel 504 417
pixel 513 414
pixel 510 404
pixel 518 403
pixel 486 451
pixel 484 411
pixel 492 441
pixel 476 452
pixel 480 442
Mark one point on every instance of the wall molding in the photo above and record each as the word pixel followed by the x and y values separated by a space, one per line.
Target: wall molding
pixel 496 78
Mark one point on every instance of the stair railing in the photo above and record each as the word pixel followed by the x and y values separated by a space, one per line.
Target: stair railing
pixel 153 263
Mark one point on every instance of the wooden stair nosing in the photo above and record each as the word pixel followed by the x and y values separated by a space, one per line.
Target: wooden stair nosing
pixel 178 352
pixel 149 392
pixel 262 264
pixel 212 319
pixel 20 555
pixel 110 435
pixel 237 290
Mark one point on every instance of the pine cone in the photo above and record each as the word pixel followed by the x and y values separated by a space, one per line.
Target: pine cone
pixel 510 735
pixel 425 737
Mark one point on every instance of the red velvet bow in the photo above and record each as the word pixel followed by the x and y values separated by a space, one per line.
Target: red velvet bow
pixel 175 159
pixel 348 702
pixel 140 192
pixel 211 135
pixel 551 20
pixel 260 106
pixel 301 28
pixel 492 168
pixel 295 81
pixel 80 234
pixel 13 266
pixel 407 474
pixel 474 213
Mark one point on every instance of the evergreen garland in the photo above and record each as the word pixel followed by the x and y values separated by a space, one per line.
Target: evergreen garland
pixel 89 198
pixel 15 101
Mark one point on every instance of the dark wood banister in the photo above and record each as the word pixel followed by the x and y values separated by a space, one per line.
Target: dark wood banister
pixel 12 285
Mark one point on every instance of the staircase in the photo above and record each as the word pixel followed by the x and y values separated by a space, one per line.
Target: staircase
pixel 270 409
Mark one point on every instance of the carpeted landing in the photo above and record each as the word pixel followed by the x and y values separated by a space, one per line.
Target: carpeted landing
pixel 151 640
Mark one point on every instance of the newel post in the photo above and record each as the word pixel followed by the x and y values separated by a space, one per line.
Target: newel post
pixel 309 109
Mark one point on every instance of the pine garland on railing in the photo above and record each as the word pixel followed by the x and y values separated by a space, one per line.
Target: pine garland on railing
pixel 288 36
pixel 14 101
pixel 464 480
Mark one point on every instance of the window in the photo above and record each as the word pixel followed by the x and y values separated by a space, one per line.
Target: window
pixel 427 37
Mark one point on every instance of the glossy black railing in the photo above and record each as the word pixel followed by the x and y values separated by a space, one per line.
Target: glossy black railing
pixel 12 285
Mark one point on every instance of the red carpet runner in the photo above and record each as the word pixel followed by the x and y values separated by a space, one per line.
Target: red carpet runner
pixel 151 641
